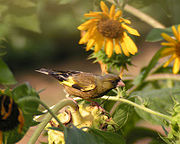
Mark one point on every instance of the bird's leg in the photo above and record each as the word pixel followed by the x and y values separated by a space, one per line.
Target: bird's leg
pixel 96 104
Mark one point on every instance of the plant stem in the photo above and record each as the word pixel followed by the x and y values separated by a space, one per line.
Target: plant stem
pixel 44 105
pixel 144 17
pixel 48 117
pixel 140 107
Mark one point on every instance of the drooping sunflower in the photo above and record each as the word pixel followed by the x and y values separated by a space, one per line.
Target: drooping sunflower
pixel 11 115
pixel 172 49
pixel 108 29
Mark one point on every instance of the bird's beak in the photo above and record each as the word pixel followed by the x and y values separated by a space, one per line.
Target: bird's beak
pixel 120 84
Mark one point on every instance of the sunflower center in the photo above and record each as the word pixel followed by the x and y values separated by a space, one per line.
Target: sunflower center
pixel 110 28
pixel 178 48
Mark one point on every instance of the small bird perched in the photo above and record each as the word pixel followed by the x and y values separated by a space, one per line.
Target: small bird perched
pixel 85 85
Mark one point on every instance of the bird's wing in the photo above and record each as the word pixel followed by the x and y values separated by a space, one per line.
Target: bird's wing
pixel 81 81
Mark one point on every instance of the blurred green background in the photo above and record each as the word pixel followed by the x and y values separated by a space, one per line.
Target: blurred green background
pixel 44 32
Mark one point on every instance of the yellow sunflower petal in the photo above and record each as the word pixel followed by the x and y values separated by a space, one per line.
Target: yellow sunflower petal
pixel 118 14
pixel 131 47
pixel 124 47
pixel 175 32
pixel 176 66
pixel 130 30
pixel 87 35
pixel 125 20
pixel 169 61
pixel 87 24
pixel 117 47
pixel 109 47
pixel 90 44
pixel 93 14
pixel 99 42
pixel 112 11
pixel 179 31
pixel 104 7
pixel 168 38
pixel 168 44
pixel 167 51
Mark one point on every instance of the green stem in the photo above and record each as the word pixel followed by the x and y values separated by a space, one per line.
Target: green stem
pixel 48 117
pixel 144 17
pixel 140 107
pixel 44 105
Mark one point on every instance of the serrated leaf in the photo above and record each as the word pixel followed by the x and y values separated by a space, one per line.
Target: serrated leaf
pixel 155 34
pixel 145 71
pixel 159 100
pixel 6 76
pixel 121 114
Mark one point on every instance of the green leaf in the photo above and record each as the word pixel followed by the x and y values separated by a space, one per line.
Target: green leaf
pixel 155 34
pixel 77 136
pixel 108 137
pixel 158 100
pixel 145 71
pixel 93 136
pixel 6 76
pixel 140 133
pixel 121 114
pixel 22 91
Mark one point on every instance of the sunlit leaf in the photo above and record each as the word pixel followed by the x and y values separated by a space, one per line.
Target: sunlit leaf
pixel 121 114
pixel 159 100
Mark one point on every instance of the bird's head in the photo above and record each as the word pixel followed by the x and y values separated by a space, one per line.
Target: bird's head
pixel 115 80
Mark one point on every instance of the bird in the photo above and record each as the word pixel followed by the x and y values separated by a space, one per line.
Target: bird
pixel 83 84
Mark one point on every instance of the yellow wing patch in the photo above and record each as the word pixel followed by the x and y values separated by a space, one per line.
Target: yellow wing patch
pixel 71 83
pixel 88 88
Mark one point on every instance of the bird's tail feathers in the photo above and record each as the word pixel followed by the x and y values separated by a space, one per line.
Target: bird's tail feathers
pixel 60 75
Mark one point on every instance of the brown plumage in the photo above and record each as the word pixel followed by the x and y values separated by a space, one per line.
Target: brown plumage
pixel 85 85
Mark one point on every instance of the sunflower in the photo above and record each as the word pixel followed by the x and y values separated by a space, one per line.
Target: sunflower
pixel 11 115
pixel 108 29
pixel 172 48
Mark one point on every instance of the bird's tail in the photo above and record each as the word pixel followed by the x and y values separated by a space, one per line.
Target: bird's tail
pixel 45 71
pixel 60 75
